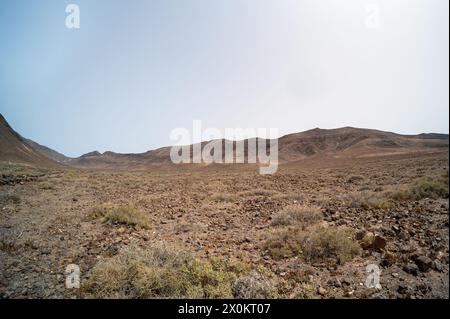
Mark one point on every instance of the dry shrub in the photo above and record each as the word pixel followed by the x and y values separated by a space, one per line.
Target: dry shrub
pixel 159 272
pixel 223 197
pixel 290 196
pixel 283 243
pixel 47 186
pixel 297 215
pixel 9 199
pixel 323 243
pixel 120 214
pixel 258 192
pixel 368 200
pixel 315 245
pixel 304 291
pixel 253 286
pixel 354 179
pixel 425 187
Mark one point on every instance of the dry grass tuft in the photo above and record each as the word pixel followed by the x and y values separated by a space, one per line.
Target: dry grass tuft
pixel 122 215
pixel 355 179
pixel 425 187
pixel 368 200
pixel 326 243
pixel 159 272
pixel 254 286
pixel 224 197
pixel 9 199
pixel 315 245
pixel 297 215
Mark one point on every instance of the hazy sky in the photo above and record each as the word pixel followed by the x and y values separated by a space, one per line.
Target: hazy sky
pixel 137 69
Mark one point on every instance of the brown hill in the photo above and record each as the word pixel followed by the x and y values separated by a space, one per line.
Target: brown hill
pixel 347 142
pixel 356 142
pixel 14 148
pixel 48 152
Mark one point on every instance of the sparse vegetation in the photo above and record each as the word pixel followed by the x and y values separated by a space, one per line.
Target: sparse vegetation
pixel 425 187
pixel 292 231
pixel 297 215
pixel 159 272
pixel 292 197
pixel 48 186
pixel 354 179
pixel 322 244
pixel 317 244
pixel 367 200
pixel 258 192
pixel 122 214
pixel 223 197
pixel 284 243
pixel 254 286
pixel 9 199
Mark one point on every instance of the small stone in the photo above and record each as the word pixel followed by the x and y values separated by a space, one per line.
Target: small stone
pixel 360 234
pixel 404 236
pixel 437 265
pixel 349 293
pixel 402 288
pixel 379 243
pixel 367 240
pixel 334 282
pixel 346 282
pixel 411 269
pixel 59 278
pixel 388 259
pixel 424 263
pixel 321 291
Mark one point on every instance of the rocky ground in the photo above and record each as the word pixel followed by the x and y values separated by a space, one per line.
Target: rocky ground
pixel 46 223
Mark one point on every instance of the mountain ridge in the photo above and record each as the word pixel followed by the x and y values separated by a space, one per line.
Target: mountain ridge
pixel 337 142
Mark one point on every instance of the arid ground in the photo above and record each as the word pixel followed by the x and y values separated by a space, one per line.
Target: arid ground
pixel 308 231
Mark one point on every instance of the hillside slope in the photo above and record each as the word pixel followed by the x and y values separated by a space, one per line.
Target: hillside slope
pixel 342 142
pixel 14 148
pixel 346 142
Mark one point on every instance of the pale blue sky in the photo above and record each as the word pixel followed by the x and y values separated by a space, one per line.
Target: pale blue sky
pixel 137 69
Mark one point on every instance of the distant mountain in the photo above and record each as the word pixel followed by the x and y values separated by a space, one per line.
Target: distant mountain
pixel 346 142
pixel 356 142
pixel 48 152
pixel 341 142
pixel 14 148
